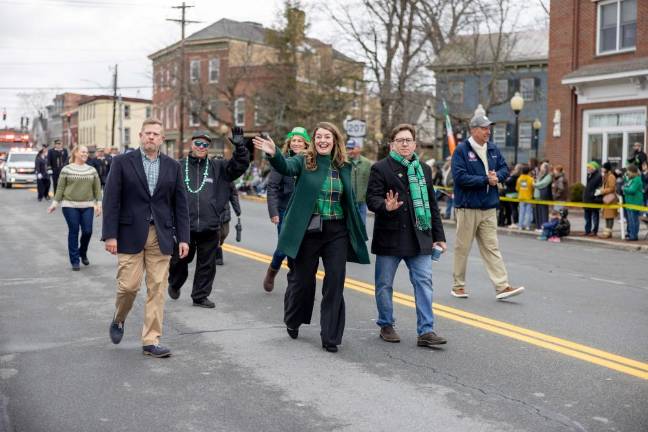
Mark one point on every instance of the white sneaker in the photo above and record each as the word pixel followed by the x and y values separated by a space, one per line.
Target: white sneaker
pixel 509 292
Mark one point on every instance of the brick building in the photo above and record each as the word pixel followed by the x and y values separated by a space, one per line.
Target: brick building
pixel 63 118
pixel 598 89
pixel 226 66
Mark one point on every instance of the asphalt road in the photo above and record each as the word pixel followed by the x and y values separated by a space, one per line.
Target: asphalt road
pixel 235 369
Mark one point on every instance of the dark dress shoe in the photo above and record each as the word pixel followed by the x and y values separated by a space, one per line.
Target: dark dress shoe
pixel 174 293
pixel 85 261
pixel 293 333
pixel 206 303
pixel 116 332
pixel 157 351
pixel 219 261
pixel 330 348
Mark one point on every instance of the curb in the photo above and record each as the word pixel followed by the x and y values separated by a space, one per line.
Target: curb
pixel 513 232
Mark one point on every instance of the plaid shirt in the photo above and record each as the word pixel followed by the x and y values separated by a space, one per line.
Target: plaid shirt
pixel 152 170
pixel 328 201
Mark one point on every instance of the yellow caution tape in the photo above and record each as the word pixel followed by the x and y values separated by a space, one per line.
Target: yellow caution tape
pixel 566 203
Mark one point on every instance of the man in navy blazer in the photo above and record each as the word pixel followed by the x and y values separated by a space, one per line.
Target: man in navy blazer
pixel 145 215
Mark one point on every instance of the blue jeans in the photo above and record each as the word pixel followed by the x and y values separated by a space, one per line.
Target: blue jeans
pixel 75 218
pixel 278 256
pixel 591 220
pixel 633 224
pixel 420 271
pixel 449 205
pixel 526 213
pixel 362 209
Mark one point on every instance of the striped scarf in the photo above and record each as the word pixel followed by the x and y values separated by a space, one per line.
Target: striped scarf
pixel 418 190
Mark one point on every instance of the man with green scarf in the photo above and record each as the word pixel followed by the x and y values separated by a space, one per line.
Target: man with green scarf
pixel 407 228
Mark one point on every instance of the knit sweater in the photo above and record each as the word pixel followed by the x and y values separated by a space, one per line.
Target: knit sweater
pixel 79 186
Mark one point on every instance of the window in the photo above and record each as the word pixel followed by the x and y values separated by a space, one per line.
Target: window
pixel 148 112
pixel 127 139
pixel 456 91
pixel 174 78
pixel 127 112
pixel 214 70
pixel 194 118
pixel 239 112
pixel 617 26
pixel 527 88
pixel 212 116
pixel 501 90
pixel 526 133
pixel 499 135
pixel 194 73
pixel 259 115
pixel 170 118
pixel 168 78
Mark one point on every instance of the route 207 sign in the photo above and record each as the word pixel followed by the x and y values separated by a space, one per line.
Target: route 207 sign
pixel 356 128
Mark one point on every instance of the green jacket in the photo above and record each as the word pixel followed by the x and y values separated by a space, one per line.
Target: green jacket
pixel 303 201
pixel 633 191
pixel 360 177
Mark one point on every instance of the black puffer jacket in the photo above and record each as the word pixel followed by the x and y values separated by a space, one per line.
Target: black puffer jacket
pixel 206 207
pixel 594 181
pixel 280 189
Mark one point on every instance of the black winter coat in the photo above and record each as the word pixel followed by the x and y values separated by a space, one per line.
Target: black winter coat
pixel 102 166
pixel 594 181
pixel 57 159
pixel 280 189
pixel 395 232
pixel 206 208
pixel 41 167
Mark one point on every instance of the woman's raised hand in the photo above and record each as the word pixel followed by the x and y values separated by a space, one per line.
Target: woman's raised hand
pixel 391 201
pixel 266 145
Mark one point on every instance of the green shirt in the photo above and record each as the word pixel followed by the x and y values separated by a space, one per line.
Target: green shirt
pixel 328 200
pixel 360 170
pixel 633 190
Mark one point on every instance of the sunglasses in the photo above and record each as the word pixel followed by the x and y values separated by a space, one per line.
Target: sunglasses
pixel 202 144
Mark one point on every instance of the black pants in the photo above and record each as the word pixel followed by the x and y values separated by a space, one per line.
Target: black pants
pixel 224 232
pixel 331 246
pixel 540 215
pixel 591 220
pixel 203 245
pixel 43 187
pixel 55 177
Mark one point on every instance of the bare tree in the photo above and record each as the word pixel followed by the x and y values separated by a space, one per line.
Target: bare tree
pixel 397 38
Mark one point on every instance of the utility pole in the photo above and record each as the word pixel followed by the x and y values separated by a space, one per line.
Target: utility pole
pixel 112 135
pixel 121 124
pixel 183 21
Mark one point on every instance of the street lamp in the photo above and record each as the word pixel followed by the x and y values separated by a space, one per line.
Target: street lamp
pixel 536 135
pixel 517 103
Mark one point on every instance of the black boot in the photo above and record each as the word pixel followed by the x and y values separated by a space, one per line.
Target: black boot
pixel 219 256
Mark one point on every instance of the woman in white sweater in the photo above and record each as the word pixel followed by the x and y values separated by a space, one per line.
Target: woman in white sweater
pixel 79 194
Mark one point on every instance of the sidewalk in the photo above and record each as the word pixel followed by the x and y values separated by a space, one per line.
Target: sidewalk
pixel 577 230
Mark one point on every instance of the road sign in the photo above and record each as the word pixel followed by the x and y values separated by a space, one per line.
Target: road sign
pixel 356 128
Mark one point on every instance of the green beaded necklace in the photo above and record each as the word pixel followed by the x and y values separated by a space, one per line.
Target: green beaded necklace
pixel 204 180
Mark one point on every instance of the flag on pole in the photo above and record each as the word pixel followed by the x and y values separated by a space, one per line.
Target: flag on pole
pixel 451 139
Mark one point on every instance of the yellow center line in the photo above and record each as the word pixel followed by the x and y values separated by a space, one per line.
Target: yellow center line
pixel 572 349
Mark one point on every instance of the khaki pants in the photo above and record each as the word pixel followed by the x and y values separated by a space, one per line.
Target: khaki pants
pixel 480 224
pixel 131 268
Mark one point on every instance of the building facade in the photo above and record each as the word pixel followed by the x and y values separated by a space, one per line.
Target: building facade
pixel 227 64
pixel 63 120
pixel 469 73
pixel 598 81
pixel 95 116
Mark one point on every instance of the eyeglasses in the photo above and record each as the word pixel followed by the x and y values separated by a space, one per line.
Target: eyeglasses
pixel 202 144
pixel 404 141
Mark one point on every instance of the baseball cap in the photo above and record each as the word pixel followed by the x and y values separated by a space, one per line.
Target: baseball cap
pixel 480 121
pixel 201 134
pixel 350 144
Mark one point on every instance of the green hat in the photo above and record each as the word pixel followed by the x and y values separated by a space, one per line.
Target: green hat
pixel 201 134
pixel 299 131
pixel 593 164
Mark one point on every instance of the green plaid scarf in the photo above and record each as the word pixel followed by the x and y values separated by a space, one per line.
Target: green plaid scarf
pixel 418 190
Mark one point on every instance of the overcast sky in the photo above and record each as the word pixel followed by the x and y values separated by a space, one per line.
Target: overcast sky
pixel 71 45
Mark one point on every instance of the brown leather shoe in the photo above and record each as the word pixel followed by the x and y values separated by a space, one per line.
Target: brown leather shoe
pixel 429 340
pixel 268 281
pixel 509 291
pixel 388 334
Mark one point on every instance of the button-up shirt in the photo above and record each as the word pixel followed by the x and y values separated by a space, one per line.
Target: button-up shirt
pixel 152 170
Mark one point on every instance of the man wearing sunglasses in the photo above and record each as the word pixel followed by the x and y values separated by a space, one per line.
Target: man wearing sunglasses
pixel 207 182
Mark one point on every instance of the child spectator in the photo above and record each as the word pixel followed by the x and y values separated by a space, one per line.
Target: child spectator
pixel 524 188
pixel 564 227
pixel 549 227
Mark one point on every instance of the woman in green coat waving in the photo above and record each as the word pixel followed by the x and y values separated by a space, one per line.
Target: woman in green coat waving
pixel 322 221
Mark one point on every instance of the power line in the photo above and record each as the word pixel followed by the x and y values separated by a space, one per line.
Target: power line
pixel 76 88
pixel 80 3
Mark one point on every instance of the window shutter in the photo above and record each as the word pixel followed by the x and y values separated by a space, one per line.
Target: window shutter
pixel 537 89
